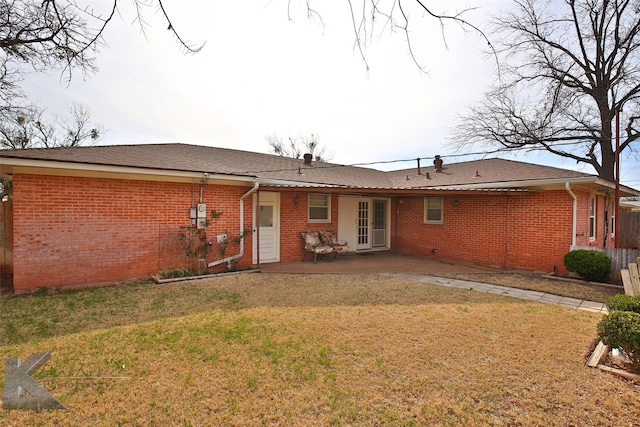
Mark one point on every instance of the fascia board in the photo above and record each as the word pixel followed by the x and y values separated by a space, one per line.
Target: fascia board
pixel 287 183
pixel 542 183
pixel 27 164
pixel 630 190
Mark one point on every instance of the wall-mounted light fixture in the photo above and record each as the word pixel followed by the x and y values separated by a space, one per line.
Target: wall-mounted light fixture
pixel 296 200
pixel 456 203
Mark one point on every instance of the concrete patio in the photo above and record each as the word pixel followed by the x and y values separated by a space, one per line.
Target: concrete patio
pixel 423 269
pixel 376 262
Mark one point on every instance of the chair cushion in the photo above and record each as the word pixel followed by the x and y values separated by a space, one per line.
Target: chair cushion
pixel 327 237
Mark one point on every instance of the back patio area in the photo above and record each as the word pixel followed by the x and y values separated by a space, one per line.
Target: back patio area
pixel 376 262
pixel 425 269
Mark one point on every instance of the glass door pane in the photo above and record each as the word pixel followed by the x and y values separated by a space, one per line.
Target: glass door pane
pixel 379 223
pixel 363 224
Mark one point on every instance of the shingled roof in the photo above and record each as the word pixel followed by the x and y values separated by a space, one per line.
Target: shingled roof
pixel 487 171
pixel 279 170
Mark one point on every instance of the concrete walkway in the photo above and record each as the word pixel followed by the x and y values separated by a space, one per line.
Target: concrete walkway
pixel 597 307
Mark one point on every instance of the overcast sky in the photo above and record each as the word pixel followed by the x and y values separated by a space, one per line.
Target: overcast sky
pixel 260 74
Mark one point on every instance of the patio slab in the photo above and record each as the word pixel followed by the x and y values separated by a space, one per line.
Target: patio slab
pixel 422 269
pixel 376 262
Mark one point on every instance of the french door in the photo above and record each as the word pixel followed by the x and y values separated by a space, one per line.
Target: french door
pixel 362 228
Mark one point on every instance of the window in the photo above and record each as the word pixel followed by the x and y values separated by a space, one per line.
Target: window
pixel 266 216
pixel 592 218
pixel 613 224
pixel 433 210
pixel 319 208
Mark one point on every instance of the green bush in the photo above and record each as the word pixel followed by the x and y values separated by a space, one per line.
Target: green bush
pixel 621 330
pixel 624 302
pixel 591 265
pixel 174 274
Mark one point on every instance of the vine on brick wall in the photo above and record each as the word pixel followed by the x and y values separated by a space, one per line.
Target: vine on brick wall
pixel 197 246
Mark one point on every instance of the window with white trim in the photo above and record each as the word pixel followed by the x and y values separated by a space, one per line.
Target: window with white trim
pixel 613 224
pixel 592 218
pixel 433 210
pixel 319 208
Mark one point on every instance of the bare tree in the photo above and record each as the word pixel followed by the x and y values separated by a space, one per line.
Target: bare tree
pixel 53 35
pixel 29 128
pixel 298 146
pixel 567 67
pixel 370 18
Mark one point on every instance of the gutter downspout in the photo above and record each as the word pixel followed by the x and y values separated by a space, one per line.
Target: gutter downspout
pixel 567 186
pixel 241 253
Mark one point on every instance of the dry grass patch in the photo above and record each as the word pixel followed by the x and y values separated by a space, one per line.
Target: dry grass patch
pixel 337 350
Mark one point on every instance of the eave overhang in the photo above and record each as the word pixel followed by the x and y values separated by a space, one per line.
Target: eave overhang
pixel 12 166
pixel 547 184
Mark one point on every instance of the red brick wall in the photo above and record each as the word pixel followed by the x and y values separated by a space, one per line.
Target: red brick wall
pixel 294 220
pixel 70 231
pixel 463 235
pixel 530 231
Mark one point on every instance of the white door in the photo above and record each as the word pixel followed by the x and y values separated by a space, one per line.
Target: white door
pixel 347 207
pixel 363 222
pixel 266 215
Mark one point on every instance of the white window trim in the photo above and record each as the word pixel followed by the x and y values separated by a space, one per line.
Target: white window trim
pixel 426 209
pixel 319 221
pixel 612 224
pixel 592 214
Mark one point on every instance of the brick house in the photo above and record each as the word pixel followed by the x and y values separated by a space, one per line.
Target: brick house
pixel 89 215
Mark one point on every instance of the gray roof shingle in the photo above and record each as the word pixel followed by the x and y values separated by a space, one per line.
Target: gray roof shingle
pixel 196 158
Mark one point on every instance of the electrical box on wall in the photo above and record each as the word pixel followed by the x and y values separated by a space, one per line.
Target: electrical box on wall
pixel 193 216
pixel 201 215
pixel 202 210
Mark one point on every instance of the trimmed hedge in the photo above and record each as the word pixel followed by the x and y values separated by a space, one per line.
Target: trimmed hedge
pixel 591 265
pixel 624 302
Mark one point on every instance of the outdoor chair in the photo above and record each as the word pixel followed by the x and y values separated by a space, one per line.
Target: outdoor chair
pixel 313 244
pixel 339 247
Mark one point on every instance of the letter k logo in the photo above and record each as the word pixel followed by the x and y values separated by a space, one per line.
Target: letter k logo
pixel 17 380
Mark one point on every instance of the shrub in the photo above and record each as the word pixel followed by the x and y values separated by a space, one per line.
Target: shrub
pixel 621 329
pixel 624 302
pixel 591 265
pixel 173 274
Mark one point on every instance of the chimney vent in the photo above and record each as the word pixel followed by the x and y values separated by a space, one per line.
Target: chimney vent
pixel 307 159
pixel 477 175
pixel 437 162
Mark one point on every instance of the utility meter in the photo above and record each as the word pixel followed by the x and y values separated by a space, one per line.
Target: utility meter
pixel 201 215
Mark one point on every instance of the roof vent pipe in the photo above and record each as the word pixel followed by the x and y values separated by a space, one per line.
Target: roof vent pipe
pixel 427 176
pixel 419 172
pixel 307 159
pixel 477 175
pixel 437 162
